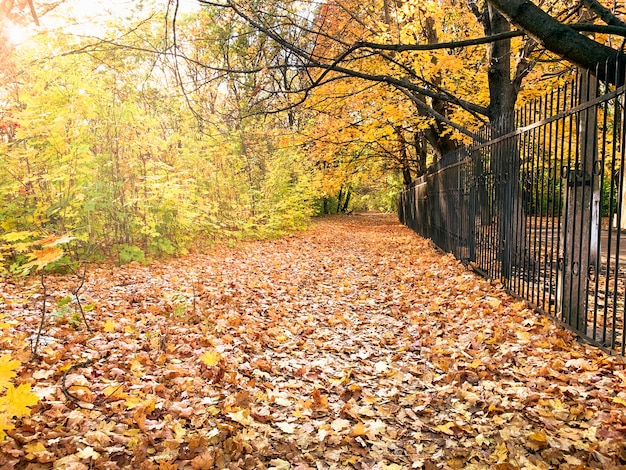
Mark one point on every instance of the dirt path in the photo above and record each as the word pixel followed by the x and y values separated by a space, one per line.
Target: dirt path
pixel 351 345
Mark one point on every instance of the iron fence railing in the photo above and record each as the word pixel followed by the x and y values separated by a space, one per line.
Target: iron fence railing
pixel 542 208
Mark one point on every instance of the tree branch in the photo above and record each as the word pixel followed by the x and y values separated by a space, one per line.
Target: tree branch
pixel 564 40
pixel 591 28
pixel 33 12
pixel 604 13
pixel 420 104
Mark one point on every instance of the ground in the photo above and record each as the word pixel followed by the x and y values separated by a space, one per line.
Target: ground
pixel 354 344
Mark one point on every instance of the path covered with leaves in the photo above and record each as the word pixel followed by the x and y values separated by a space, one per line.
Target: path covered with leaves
pixel 351 345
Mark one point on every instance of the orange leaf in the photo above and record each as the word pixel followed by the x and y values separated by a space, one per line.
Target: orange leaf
pixel 54 240
pixel 358 430
pixel 319 400
pixel 42 258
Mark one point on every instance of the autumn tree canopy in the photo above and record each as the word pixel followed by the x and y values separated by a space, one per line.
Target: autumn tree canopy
pixel 459 64
pixel 240 115
pixel 97 139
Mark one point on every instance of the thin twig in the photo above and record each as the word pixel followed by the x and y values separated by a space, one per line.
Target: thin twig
pixel 43 315
pixel 75 292
pixel 194 293
pixel 65 390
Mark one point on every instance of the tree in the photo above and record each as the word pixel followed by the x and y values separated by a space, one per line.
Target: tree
pixel 566 40
pixel 424 51
pixel 101 142
pixel 15 11
pixel 396 34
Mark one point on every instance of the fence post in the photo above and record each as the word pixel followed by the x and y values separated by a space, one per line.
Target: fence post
pixel 582 214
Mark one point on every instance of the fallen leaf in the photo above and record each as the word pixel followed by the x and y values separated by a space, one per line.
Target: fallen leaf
pixel 446 428
pixel 279 464
pixel 88 454
pixel 241 417
pixel 211 358
pixel 340 424
pixel 358 430
pixel 109 326
pixel 285 427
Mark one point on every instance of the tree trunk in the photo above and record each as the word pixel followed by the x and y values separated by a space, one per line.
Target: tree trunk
pixel 346 202
pixel 339 198
pixel 504 162
pixel 502 92
pixel 436 135
pixel 421 153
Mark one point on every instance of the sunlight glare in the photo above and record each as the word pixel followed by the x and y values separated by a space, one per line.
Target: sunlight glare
pixel 16 34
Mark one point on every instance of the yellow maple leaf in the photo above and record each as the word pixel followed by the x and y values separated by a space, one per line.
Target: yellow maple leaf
pixel 211 358
pixel 179 430
pixel 619 400
pixel 109 326
pixel 15 236
pixel 500 454
pixel 21 247
pixel 446 428
pixel 4 325
pixel 115 391
pixel 241 417
pixel 538 436
pixel 5 423
pixel 33 448
pixel 358 430
pixel 7 370
pixel 20 399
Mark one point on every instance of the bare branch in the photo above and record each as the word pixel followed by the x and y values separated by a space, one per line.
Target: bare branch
pixel 590 28
pixel 33 12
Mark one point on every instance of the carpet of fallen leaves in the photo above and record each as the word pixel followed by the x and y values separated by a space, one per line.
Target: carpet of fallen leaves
pixel 352 345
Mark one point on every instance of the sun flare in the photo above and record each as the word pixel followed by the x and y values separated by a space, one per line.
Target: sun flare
pixel 16 34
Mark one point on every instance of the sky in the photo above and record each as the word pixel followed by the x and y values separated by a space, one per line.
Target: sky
pixel 113 8
pixel 91 16
pixel 98 11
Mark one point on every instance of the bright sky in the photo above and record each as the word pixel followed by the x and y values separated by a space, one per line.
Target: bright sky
pixel 120 8
pixel 105 10
pixel 92 15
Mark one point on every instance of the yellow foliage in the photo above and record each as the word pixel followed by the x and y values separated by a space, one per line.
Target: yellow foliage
pixel 16 401
pixel 7 370
pixel 109 326
pixel 211 358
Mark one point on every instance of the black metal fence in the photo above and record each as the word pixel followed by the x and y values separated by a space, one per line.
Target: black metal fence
pixel 542 207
